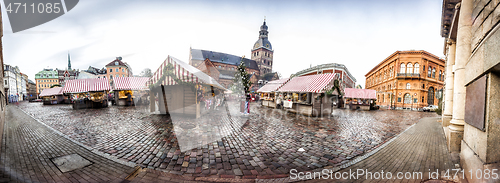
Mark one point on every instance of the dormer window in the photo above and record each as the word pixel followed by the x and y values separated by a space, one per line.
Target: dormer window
pixel 116 62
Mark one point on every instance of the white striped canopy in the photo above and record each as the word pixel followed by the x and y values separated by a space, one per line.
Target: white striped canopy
pixel 86 85
pixel 360 93
pixel 184 72
pixel 272 85
pixel 51 91
pixel 130 83
pixel 314 83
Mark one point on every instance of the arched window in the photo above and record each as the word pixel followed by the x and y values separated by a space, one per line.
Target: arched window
pixel 417 69
pixel 383 98
pixel 407 99
pixel 429 72
pixel 407 85
pixel 409 68
pixel 440 75
pixel 402 70
pixel 430 96
pixel 433 72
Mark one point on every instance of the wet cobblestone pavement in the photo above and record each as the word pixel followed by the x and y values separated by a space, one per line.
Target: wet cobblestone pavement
pixel 263 145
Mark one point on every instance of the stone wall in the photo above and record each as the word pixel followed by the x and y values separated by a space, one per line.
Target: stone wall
pixel 480 148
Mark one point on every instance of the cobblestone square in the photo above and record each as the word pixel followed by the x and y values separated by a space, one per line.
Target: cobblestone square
pixel 264 144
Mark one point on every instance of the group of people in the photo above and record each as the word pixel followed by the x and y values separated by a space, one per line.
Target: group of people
pixel 214 103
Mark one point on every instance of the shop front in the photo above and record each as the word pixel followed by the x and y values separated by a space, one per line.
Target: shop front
pixel 267 92
pixel 88 93
pixel 130 91
pixel 363 99
pixel 52 96
pixel 309 95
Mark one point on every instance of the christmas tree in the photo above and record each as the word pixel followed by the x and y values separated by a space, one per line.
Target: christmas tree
pixel 241 82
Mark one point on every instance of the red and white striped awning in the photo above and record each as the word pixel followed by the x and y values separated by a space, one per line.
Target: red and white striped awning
pixel 130 83
pixel 314 83
pixel 51 91
pixel 360 93
pixel 272 85
pixel 86 85
pixel 184 72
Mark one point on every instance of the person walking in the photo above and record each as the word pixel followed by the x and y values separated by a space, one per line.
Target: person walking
pixel 247 105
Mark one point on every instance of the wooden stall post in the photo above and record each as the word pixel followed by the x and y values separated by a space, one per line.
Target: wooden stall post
pixel 152 100
pixel 163 106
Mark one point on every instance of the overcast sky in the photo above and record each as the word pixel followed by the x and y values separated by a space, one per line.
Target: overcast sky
pixel 358 34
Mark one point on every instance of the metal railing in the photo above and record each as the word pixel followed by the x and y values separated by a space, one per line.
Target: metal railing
pixel 408 75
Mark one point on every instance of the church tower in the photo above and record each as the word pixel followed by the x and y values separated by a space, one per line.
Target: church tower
pixel 262 51
pixel 69 63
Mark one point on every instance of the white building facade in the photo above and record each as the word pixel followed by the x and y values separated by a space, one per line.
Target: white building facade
pixel 10 83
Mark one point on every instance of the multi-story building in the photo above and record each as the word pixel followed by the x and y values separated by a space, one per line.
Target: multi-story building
pixel 31 90
pixel 117 68
pixel 348 81
pixel 67 74
pixel 24 86
pixel 262 51
pixel 471 117
pixel 19 84
pixel 45 79
pixel 407 80
pixel 10 82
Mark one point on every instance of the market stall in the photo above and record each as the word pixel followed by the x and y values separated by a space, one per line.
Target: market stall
pixel 179 88
pixel 309 95
pixel 268 92
pixel 52 96
pixel 88 93
pixel 359 98
pixel 130 91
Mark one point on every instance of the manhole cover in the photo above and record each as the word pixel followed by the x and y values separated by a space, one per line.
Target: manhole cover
pixel 70 162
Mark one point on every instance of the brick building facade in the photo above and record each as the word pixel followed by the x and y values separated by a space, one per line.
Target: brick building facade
pixel 407 80
pixel 221 66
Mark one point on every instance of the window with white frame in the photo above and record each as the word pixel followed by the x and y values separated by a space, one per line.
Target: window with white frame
pixel 409 68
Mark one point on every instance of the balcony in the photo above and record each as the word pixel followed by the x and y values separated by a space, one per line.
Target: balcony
pixel 408 75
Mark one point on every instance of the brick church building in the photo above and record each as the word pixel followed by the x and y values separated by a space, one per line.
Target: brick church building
pixel 222 66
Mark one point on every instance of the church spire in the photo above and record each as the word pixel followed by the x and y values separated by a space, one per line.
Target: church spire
pixel 69 62
pixel 263 30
